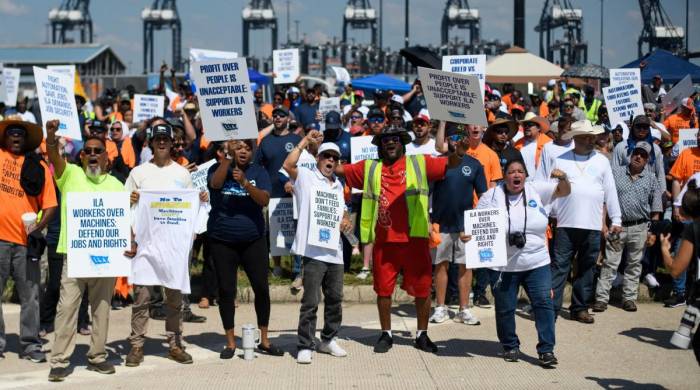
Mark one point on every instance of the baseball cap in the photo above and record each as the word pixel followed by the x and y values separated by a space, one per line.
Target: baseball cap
pixel 641 120
pixel 687 103
pixel 552 82
pixel 359 92
pixel 329 147
pixel 375 112
pixel 97 125
pixel 176 122
pixel 380 94
pixel 161 129
pixel 281 109
pixel 496 92
pixel 293 90
pixel 423 115
pixel 333 121
pixel 644 145
pixel 397 99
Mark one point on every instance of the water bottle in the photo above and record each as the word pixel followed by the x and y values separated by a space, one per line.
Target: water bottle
pixel 352 239
pixel 251 338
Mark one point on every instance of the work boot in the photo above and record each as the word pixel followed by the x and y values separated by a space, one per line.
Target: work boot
pixel 135 357
pixel 179 355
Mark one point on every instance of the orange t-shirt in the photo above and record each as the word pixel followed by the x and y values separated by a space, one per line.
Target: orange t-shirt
pixel 677 122
pixel 489 159
pixel 266 108
pixel 687 164
pixel 542 140
pixel 182 161
pixel 127 152
pixel 544 109
pixel 15 202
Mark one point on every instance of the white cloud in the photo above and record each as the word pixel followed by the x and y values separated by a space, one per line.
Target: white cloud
pixel 9 7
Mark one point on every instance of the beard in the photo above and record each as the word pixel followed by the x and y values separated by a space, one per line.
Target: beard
pixel 93 173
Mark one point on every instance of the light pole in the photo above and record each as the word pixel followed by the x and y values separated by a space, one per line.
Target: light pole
pixel 601 32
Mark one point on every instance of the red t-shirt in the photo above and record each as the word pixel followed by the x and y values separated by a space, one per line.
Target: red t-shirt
pixel 392 217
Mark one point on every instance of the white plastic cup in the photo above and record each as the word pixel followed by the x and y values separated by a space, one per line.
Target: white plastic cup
pixel 28 219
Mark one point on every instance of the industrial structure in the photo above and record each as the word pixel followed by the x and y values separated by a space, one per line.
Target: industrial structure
pixel 571 48
pixel 258 15
pixel 162 15
pixel 71 15
pixel 359 15
pixel 658 32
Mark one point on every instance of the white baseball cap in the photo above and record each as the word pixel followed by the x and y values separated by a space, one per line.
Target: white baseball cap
pixel 329 147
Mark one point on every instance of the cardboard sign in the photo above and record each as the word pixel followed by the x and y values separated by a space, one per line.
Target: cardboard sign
pixel 326 105
pixel 488 228
pixel 281 225
pixel 68 70
pixel 680 91
pixel 11 84
pixel 341 75
pixel 285 65
pixel 624 102
pixel 361 148
pixel 148 106
pixel 467 64
pixel 99 231
pixel 199 177
pixel 57 101
pixel 324 218
pixel 625 76
pixel 687 138
pixel 225 99
pixel 453 97
pixel 201 55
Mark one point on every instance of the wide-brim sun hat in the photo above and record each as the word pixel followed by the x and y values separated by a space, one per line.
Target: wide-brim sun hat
pixel 583 127
pixel 399 131
pixel 34 132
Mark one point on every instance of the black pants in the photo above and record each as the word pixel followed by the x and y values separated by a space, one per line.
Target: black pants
pixel 320 276
pixel 252 256
pixel 49 299
pixel 210 289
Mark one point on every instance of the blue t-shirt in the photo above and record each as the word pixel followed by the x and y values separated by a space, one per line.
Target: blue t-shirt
pixel 234 215
pixel 271 153
pixel 454 194
pixel 343 142
pixel 305 113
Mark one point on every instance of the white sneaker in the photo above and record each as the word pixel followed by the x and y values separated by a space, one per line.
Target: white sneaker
pixel 298 283
pixel 651 281
pixel 277 271
pixel 304 356
pixel 466 317
pixel 441 314
pixel 364 273
pixel 332 348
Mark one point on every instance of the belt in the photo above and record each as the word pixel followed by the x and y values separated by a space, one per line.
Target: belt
pixel 635 222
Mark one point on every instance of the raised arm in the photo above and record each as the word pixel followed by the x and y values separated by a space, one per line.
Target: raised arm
pixel 290 163
pixel 440 141
pixel 59 164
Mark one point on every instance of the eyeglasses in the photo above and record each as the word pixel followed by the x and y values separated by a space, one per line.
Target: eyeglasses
pixel 356 117
pixel 329 156
pixel 376 119
pixel 390 139
pixel 279 116
pixel 456 137
pixel 116 129
pixel 641 153
pixel 568 106
pixel 93 151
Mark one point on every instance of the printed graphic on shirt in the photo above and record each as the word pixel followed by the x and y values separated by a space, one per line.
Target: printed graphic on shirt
pixel 288 147
pixel 466 170
pixel 231 187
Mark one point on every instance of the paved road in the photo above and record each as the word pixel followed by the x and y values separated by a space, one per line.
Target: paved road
pixel 622 350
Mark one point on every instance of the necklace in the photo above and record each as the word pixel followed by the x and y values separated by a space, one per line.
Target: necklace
pixel 518 198
pixel 580 168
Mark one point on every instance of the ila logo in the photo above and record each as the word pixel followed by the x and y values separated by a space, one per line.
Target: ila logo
pixel 288 147
pixel 466 171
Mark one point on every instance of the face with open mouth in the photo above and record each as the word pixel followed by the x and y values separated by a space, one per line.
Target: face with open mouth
pixel 161 145
pixel 94 158
pixel 531 130
pixel 584 144
pixel 242 153
pixel 391 147
pixel 327 163
pixel 515 177
pixel 15 138
pixel 475 132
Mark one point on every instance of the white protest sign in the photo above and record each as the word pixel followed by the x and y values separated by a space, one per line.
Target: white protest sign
pixel 285 65
pixel 487 248
pixel 325 215
pixel 624 102
pixel 57 101
pixel 362 148
pixel 225 99
pixel 148 106
pixel 687 138
pixel 326 105
pixel 68 70
pixel 467 64
pixel 11 84
pixel 199 177
pixel 625 76
pixel 341 74
pixel 201 55
pixel 3 94
pixel 99 231
pixel 680 91
pixel 453 97
pixel 282 227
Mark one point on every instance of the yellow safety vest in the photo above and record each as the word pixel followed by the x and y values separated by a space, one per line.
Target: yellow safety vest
pixel 592 113
pixel 416 198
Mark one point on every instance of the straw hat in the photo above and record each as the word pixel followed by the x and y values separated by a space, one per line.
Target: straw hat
pixel 34 132
pixel 583 127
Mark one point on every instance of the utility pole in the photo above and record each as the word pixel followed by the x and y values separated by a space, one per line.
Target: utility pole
pixel 296 26
pixel 687 33
pixel 287 22
pixel 601 32
pixel 405 43
pixel 381 23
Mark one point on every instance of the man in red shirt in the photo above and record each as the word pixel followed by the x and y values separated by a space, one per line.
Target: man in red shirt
pixel 395 218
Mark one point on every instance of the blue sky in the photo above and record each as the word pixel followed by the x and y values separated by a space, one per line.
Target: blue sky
pixel 216 24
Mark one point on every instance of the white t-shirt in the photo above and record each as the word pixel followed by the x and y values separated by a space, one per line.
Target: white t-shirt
pixel 549 154
pixel 529 152
pixel 592 187
pixel 306 181
pixel 536 203
pixel 427 148
pixel 306 160
pixel 27 116
pixel 679 199
pixel 149 176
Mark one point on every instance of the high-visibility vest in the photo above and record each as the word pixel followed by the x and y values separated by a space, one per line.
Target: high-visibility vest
pixel 416 198
pixel 592 113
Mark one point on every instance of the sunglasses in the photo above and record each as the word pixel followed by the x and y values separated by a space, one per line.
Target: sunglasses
pixel 330 156
pixel 376 119
pixel 390 139
pixel 116 129
pixel 642 127
pixel 501 130
pixel 568 106
pixel 356 117
pixel 93 151
pixel 279 116
pixel 640 153
pixel 456 137
pixel 178 145
pixel 16 132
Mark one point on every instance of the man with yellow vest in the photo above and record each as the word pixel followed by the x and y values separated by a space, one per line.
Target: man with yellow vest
pixel 394 216
pixel 590 103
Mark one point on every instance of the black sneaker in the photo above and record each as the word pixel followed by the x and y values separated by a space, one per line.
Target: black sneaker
pixel 58 374
pixel 424 343
pixel 675 301
pixel 227 353
pixel 384 343
pixel 481 301
pixel 547 359
pixel 188 316
pixel 35 356
pixel 511 355
pixel 102 368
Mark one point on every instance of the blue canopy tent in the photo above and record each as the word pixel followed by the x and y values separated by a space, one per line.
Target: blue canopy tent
pixel 671 68
pixel 380 81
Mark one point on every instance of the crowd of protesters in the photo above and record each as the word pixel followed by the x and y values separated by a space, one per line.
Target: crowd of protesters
pixel 593 203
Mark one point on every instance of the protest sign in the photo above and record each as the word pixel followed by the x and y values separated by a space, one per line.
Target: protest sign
pixel 99 231
pixel 361 148
pixel 11 84
pixel 326 105
pixel 199 177
pixel 57 101
pixel 225 99
pixel 281 225
pixel 68 70
pixel 680 91
pixel 341 75
pixel 453 97
pixel 148 106
pixel 285 65
pixel 624 102
pixel 201 55
pixel 625 76
pixel 687 138
pixel 487 248
pixel 467 64
pixel 325 215
pixel 164 226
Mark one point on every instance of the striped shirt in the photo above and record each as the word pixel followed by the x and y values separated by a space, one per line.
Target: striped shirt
pixel 639 196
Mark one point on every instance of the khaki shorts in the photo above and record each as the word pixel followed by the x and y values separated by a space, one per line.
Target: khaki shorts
pixel 450 249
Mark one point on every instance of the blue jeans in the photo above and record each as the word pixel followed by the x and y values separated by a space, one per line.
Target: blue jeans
pixel 538 284
pixel 586 245
pixel 679 282
pixel 296 266
pixel 482 280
